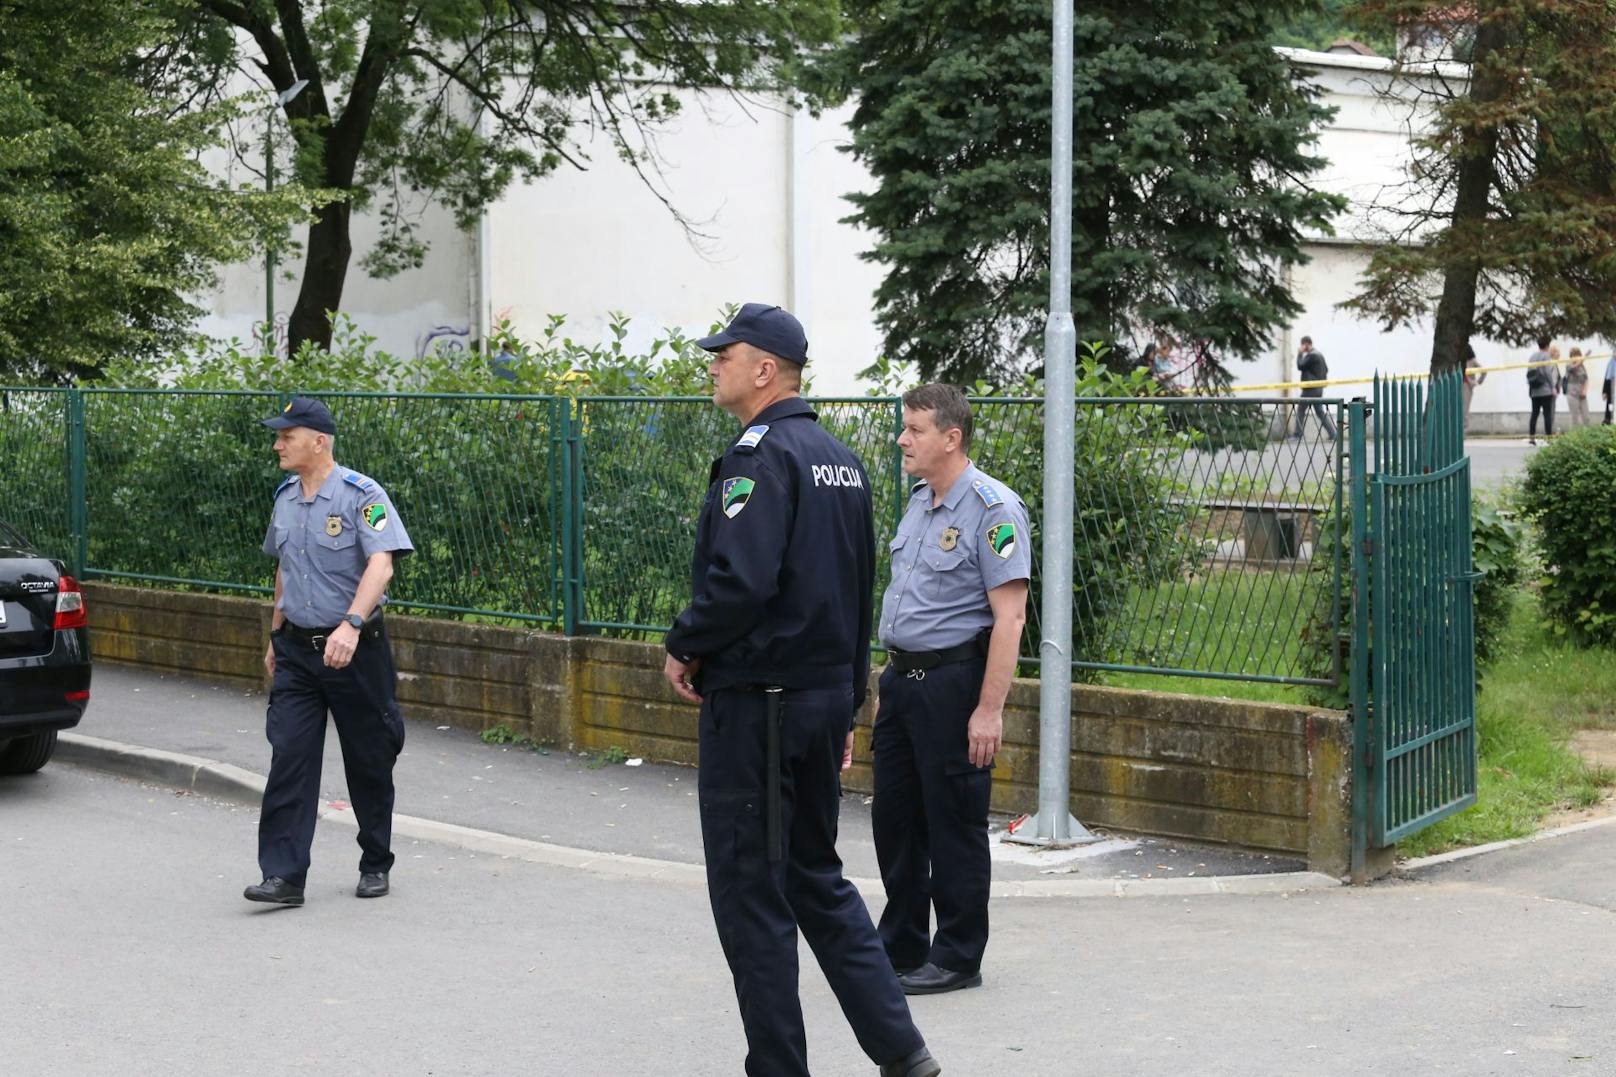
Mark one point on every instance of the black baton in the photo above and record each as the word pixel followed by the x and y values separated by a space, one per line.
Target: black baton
pixel 776 697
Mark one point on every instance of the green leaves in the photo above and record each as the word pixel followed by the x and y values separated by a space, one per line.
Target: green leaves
pixel 1568 490
pixel 1189 135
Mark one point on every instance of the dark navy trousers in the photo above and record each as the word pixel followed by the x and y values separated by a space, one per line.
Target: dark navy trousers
pixel 930 818
pixel 759 906
pixel 359 698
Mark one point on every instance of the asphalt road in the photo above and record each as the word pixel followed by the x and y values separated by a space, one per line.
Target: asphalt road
pixel 126 949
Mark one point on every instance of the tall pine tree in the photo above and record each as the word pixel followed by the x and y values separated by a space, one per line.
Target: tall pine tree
pixel 1192 153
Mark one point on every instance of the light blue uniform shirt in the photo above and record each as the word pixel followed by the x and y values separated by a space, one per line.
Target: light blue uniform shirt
pixel 946 559
pixel 324 543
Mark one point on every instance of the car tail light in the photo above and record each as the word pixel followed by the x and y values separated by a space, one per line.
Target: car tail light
pixel 77 697
pixel 70 612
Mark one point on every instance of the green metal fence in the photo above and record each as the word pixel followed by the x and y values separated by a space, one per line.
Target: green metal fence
pixel 1205 545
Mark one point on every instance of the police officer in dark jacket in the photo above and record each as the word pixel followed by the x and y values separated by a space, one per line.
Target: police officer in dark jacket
pixel 334 534
pixel 775 647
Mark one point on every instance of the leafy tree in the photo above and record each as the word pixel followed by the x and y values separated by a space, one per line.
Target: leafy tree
pixel 107 221
pixel 1506 227
pixel 1192 150
pixel 1330 22
pixel 452 100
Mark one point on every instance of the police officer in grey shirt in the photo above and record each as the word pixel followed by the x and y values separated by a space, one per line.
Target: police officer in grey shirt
pixel 335 535
pixel 951 621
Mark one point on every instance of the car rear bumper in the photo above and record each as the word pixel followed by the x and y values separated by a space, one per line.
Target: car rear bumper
pixel 36 692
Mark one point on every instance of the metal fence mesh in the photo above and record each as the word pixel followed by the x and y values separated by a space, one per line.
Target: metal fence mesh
pixel 1205 541
pixel 34 495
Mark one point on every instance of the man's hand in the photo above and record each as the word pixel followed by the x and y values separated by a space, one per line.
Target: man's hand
pixel 985 734
pixel 269 659
pixel 680 674
pixel 340 645
pixel 847 753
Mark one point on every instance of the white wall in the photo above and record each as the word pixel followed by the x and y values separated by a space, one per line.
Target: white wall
pixel 763 185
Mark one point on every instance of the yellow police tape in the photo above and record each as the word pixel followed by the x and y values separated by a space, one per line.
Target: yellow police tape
pixel 1481 370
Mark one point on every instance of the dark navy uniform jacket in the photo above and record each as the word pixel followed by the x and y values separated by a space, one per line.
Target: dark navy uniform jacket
pixel 784 568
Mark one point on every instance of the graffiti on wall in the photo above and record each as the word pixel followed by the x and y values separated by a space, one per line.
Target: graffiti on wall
pixel 442 339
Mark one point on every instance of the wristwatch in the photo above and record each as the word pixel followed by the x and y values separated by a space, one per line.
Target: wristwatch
pixel 355 620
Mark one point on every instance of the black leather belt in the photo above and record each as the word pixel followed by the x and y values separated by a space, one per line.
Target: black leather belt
pixel 909 661
pixel 316 637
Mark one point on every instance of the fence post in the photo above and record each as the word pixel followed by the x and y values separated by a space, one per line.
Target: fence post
pixel 1358 415
pixel 572 568
pixel 78 509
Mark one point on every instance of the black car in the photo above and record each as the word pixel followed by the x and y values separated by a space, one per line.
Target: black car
pixel 44 654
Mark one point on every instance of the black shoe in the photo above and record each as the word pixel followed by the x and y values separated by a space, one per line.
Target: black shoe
pixel 928 979
pixel 275 890
pixel 371 884
pixel 919 1064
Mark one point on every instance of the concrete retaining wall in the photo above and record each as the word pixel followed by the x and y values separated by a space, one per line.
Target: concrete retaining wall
pixel 1255 775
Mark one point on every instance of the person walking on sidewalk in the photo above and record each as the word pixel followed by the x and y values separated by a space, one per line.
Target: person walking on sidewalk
pixel 1310 363
pixel 1576 388
pixel 335 536
pixel 1474 378
pixel 1540 379
pixel 775 646
pixel 951 621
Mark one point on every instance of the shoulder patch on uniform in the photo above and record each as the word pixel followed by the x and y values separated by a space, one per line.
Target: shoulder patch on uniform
pixel 749 440
pixel 737 494
pixel 988 492
pixel 1002 539
pixel 353 478
pixel 374 515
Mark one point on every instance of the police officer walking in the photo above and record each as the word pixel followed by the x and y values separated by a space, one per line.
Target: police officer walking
pixel 335 535
pixel 775 647
pixel 951 621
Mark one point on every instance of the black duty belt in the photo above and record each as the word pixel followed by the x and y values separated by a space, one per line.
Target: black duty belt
pixel 911 661
pixel 316 637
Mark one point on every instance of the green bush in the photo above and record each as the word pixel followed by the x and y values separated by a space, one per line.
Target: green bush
pixel 1570 493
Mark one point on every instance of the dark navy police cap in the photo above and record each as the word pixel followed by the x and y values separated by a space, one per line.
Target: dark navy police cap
pixel 774 329
pixel 303 411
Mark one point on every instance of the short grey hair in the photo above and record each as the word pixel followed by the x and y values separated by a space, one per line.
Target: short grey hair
pixel 950 410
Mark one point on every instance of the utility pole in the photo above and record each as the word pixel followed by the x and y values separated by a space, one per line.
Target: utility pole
pixel 1054 825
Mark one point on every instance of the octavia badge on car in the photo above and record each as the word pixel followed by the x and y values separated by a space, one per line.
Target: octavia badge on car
pixel 36 587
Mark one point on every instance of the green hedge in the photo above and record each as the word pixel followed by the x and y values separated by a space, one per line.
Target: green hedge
pixel 1570 492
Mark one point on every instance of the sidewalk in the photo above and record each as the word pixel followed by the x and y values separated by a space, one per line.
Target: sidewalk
pixel 449 776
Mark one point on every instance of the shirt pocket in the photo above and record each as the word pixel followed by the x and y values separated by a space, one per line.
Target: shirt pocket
pixel 281 534
pixel 335 551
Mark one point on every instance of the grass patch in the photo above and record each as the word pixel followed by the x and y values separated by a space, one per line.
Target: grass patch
pixel 1538 693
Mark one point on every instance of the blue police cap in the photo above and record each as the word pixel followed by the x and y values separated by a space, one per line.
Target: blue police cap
pixel 774 329
pixel 303 411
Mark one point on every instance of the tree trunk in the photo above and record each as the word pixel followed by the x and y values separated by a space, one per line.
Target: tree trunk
pixel 324 273
pixel 1456 311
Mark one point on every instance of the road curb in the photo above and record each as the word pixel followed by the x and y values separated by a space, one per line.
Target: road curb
pixel 224 781
pixel 1437 859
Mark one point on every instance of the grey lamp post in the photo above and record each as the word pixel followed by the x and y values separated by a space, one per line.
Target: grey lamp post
pixel 282 99
pixel 1054 825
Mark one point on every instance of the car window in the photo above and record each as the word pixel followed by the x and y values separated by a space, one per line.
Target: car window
pixel 9 536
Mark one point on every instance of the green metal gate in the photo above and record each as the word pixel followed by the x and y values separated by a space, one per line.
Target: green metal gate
pixel 1416 701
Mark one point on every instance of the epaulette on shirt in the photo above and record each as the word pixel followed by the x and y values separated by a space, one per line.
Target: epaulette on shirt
pixel 354 479
pixel 988 493
pixel 289 480
pixel 917 487
pixel 749 440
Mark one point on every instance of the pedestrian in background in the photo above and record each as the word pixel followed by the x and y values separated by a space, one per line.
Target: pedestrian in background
pixel 334 535
pixel 1473 377
pixel 1540 379
pixel 1310 363
pixel 1576 388
pixel 951 621
pixel 1608 389
pixel 775 646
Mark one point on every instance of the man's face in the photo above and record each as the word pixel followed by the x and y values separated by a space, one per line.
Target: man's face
pixel 734 370
pixel 297 447
pixel 925 448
